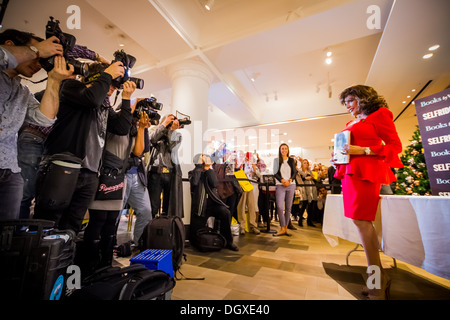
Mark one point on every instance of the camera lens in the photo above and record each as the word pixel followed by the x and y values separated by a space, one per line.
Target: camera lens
pixel 139 82
pixel 79 67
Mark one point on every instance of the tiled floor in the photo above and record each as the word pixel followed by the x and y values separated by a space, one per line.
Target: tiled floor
pixel 300 267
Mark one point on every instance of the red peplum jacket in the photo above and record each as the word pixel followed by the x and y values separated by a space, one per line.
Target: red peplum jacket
pixel 378 132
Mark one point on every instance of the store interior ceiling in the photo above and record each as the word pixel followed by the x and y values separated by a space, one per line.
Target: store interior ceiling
pixel 268 57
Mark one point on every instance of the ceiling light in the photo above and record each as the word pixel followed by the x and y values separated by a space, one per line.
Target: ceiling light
pixel 254 76
pixel 209 4
pixel 329 53
pixel 328 60
pixel 432 48
pixel 413 90
pixel 427 56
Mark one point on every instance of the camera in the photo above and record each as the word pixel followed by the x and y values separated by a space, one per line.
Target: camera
pixel 151 107
pixel 183 121
pixel 68 42
pixel 128 62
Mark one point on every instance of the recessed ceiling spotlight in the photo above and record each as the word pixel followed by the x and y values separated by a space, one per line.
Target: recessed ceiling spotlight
pixel 404 102
pixel 413 90
pixel 328 60
pixel 209 4
pixel 329 53
pixel 427 56
pixel 432 48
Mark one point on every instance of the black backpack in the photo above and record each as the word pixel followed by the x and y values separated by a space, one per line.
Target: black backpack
pixel 166 232
pixel 134 282
pixel 207 239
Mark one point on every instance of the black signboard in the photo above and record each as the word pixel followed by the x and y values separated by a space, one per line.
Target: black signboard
pixel 433 114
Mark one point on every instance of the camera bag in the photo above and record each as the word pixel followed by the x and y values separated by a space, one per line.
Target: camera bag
pixel 34 259
pixel 60 176
pixel 208 239
pixel 134 282
pixel 166 232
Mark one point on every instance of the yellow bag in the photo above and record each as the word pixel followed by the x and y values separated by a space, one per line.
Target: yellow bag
pixel 246 185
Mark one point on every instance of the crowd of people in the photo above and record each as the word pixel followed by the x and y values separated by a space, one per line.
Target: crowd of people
pixel 69 152
pixel 71 124
pixel 307 183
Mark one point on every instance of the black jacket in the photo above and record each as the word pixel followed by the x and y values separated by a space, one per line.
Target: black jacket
pixel 277 166
pixel 203 185
pixel 79 107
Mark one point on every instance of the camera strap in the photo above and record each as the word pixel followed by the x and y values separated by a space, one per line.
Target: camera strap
pixel 35 82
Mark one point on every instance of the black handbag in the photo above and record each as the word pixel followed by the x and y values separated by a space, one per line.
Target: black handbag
pixel 111 179
pixel 110 185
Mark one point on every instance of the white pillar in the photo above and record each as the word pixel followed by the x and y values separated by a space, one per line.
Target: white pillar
pixel 190 95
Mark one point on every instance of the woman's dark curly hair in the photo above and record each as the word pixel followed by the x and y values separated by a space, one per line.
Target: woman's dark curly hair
pixel 368 98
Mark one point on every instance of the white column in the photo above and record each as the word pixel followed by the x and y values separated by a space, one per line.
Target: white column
pixel 190 94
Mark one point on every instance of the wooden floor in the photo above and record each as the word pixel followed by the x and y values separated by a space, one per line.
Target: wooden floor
pixel 300 267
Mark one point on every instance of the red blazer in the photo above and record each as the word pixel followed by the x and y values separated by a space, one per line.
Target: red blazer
pixel 378 132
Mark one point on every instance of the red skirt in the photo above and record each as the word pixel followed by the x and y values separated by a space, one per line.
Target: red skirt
pixel 361 198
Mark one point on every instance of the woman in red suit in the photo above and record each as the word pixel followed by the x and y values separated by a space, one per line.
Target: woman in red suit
pixel 373 149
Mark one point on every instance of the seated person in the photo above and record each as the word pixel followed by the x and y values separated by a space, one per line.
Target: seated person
pixel 204 177
pixel 320 204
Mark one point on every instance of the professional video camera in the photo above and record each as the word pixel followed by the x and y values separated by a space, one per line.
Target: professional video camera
pixel 128 63
pixel 151 107
pixel 68 42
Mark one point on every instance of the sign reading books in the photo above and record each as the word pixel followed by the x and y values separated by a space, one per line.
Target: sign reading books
pixel 340 140
pixel 433 115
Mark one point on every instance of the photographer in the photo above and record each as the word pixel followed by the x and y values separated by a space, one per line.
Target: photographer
pixel 78 136
pixel 19 54
pixel 203 183
pixel 30 142
pixel 136 193
pixel 99 238
pixel 164 173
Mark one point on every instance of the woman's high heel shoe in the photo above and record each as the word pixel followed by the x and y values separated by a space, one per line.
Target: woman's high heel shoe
pixel 380 294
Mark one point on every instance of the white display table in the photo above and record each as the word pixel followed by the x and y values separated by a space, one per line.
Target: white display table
pixel 415 230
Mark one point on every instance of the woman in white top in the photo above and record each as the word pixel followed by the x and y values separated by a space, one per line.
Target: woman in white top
pixel 284 171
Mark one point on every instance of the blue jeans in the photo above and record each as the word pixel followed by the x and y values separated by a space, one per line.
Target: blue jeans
pixel 284 196
pixel 11 189
pixel 136 195
pixel 29 154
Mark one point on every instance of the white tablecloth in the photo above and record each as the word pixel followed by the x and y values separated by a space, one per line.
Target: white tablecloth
pixel 336 225
pixel 415 230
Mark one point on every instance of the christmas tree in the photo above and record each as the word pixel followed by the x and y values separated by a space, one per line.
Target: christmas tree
pixel 413 178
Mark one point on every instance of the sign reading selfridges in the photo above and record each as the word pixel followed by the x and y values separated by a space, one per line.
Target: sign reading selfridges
pixel 433 115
